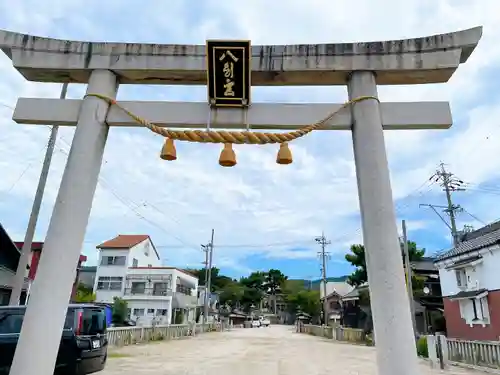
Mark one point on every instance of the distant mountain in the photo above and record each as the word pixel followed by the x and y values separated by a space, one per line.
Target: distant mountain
pixel 315 284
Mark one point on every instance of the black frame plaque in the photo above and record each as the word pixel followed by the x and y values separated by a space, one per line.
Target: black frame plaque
pixel 228 73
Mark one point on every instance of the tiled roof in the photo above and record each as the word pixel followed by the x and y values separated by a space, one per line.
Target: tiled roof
pixel 479 239
pixel 352 294
pixel 123 241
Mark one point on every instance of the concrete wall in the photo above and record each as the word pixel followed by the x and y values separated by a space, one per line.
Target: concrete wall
pixel 145 255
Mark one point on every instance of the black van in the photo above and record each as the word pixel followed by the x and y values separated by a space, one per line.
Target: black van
pixel 84 343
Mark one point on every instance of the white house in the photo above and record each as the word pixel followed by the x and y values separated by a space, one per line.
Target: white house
pixel 470 285
pixel 130 268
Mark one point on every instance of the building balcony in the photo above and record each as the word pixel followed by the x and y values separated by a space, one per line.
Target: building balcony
pixel 147 293
pixel 184 301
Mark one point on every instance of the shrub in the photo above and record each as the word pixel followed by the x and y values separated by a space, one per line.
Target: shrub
pixel 422 350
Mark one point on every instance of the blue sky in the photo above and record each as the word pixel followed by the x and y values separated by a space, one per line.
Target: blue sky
pixel 264 215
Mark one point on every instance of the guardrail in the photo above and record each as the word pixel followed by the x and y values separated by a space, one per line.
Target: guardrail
pixel 334 333
pixel 121 336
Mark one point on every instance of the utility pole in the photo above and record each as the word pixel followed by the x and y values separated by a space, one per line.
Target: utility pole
pixel 209 249
pixel 17 286
pixel 449 183
pixel 205 295
pixel 323 254
pixel 409 283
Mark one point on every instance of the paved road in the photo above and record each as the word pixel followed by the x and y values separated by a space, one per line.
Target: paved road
pixel 276 350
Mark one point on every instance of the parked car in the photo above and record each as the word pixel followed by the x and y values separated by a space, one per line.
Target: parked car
pixel 264 322
pixel 255 323
pixel 84 343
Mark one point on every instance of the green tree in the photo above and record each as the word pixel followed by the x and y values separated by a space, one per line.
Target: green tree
pixel 119 311
pixel 307 301
pixel 358 259
pixel 273 284
pixel 218 281
pixel 231 294
pixel 253 289
pixel 179 317
pixel 84 294
pixel 255 280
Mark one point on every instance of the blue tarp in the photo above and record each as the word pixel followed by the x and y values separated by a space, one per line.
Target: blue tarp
pixel 109 312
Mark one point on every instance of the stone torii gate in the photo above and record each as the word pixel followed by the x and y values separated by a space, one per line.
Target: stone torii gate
pixel 360 66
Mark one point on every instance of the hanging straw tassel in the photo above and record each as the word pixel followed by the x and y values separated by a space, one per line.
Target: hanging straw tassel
pixel 227 156
pixel 168 151
pixel 284 154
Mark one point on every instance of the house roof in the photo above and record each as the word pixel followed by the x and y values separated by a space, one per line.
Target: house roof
pixel 353 294
pixel 469 294
pixel 424 264
pixel 476 240
pixel 341 288
pixel 123 241
pixel 464 262
pixel 9 252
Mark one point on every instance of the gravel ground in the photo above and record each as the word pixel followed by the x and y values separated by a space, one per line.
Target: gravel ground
pixel 276 350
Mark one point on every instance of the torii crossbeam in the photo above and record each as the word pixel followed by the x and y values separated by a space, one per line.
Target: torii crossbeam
pixel 360 66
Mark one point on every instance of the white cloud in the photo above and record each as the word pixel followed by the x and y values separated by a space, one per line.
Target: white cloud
pixel 258 202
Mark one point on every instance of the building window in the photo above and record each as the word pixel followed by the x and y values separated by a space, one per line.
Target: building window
pixel 146 248
pixel 109 283
pixel 11 323
pixel 139 312
pixel 138 288
pixel 151 311
pixel 135 263
pixel 474 309
pixel 461 278
pixel 161 312
pixel 160 289
pixel 183 289
pixel 113 260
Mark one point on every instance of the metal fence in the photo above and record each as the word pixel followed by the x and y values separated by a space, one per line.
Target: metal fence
pixel 121 336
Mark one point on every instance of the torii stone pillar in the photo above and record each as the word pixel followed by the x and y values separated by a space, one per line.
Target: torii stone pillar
pixel 360 66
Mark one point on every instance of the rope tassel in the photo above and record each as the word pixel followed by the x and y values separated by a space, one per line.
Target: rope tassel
pixel 284 154
pixel 227 156
pixel 168 151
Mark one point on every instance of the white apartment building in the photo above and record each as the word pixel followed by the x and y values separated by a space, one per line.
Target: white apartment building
pixel 130 268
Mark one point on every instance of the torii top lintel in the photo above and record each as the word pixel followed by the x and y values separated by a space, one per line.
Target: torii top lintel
pixel 431 59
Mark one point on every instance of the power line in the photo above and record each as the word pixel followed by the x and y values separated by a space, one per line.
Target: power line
pixel 128 203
